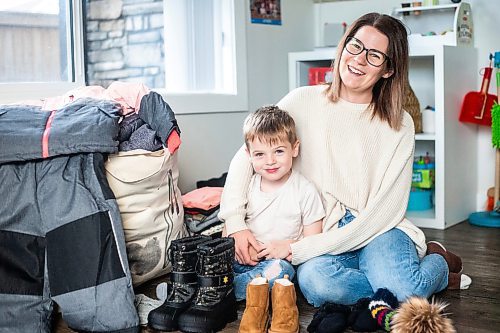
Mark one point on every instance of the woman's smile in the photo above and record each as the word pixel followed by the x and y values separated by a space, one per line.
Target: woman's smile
pixel 355 71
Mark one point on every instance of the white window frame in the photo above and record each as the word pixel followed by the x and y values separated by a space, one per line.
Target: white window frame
pixel 15 92
pixel 202 102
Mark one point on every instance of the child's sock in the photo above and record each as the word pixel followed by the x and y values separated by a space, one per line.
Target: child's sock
pixel 383 307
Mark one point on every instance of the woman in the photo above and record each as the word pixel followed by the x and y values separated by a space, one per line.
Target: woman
pixel 357 148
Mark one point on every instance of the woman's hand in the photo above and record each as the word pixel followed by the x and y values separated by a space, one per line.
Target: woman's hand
pixel 278 249
pixel 242 241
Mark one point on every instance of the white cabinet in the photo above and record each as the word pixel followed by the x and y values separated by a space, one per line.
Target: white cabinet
pixel 449 24
pixel 440 76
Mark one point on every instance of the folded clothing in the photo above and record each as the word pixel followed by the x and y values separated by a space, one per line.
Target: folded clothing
pixel 199 222
pixel 202 199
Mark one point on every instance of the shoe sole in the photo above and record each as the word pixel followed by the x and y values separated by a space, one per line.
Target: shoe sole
pixel 162 328
pixel 190 328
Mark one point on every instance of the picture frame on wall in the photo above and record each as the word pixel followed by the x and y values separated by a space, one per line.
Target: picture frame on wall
pixel 265 12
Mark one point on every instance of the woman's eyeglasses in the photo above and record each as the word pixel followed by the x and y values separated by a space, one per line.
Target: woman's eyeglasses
pixel 374 57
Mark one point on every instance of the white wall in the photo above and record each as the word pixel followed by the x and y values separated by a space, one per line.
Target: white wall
pixel 487 40
pixel 346 11
pixel 268 47
pixel 210 140
pixel 208 143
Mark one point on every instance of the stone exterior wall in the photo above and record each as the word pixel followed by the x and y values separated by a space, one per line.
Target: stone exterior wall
pixel 125 42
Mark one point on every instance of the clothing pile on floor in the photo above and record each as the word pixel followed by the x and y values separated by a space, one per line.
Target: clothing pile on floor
pixel 201 207
pixel 61 234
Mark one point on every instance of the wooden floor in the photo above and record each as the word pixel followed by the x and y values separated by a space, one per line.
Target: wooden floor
pixel 476 310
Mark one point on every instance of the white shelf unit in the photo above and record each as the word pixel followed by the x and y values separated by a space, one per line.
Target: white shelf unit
pixel 440 76
pixel 451 23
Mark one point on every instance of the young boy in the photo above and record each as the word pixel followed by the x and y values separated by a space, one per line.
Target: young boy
pixel 282 204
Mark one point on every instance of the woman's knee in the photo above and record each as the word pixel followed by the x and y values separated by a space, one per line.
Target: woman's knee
pixel 315 282
pixel 391 261
pixel 306 276
pixel 412 283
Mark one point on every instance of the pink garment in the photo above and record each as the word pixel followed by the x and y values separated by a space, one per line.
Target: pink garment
pixel 204 198
pixel 173 142
pixel 57 102
pixel 128 94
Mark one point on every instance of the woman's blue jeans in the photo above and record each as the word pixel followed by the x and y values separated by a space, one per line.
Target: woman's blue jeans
pixel 271 269
pixel 388 261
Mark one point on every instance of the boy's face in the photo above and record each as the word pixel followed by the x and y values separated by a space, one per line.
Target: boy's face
pixel 272 162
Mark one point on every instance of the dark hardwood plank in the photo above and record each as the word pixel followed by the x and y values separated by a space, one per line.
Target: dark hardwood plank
pixel 476 310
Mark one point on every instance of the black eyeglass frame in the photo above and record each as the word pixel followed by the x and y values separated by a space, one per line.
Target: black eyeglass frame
pixel 386 57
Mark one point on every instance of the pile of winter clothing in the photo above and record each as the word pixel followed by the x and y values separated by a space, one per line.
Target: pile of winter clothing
pixel 82 219
pixel 61 238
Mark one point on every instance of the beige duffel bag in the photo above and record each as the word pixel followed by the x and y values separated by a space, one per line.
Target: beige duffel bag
pixel 145 186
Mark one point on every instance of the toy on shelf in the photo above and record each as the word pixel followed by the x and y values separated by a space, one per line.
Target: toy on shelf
pixel 422 184
pixel 423 172
pixel 492 219
pixel 320 75
pixel 438 24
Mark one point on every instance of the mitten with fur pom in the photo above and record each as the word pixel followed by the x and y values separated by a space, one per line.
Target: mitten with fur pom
pixel 417 315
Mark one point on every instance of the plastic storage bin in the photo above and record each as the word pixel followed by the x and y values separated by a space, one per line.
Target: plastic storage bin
pixel 420 199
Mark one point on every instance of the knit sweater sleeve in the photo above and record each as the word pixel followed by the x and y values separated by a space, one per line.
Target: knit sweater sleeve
pixel 234 196
pixel 384 210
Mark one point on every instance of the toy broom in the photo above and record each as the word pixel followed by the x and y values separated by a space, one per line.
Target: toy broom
pixel 492 219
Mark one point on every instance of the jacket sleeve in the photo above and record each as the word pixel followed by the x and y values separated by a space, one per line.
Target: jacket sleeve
pixel 383 212
pixel 234 196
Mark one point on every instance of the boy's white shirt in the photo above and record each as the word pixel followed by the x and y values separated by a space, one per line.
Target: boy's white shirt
pixel 283 213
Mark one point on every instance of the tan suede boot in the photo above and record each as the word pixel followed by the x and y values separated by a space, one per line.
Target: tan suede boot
pixel 285 317
pixel 256 315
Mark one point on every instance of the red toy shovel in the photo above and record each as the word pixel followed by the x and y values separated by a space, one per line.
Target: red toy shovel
pixel 476 106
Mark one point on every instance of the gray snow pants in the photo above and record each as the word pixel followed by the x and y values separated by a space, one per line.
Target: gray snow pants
pixel 62 242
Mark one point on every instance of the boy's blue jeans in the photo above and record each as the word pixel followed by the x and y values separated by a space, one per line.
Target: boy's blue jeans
pixel 243 274
pixel 272 269
pixel 388 261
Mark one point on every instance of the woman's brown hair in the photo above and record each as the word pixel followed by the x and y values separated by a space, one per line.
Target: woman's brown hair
pixel 388 93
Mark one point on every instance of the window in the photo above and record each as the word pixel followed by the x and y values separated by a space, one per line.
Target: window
pixel 41 52
pixel 205 55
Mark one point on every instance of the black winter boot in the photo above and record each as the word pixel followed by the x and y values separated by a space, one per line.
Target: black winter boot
pixel 183 255
pixel 214 305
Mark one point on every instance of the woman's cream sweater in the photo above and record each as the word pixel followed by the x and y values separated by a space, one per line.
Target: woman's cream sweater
pixel 354 160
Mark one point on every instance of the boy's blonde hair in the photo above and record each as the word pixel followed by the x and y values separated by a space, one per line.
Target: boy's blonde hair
pixel 269 124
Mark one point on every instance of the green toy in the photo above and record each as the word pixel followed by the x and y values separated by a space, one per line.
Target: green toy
pixel 495 140
pixel 492 219
pixel 495 122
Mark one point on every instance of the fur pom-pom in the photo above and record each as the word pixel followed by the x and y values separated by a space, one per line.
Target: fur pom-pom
pixel 417 315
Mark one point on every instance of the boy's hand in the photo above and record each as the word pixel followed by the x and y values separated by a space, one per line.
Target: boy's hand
pixel 279 249
pixel 253 253
pixel 243 240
